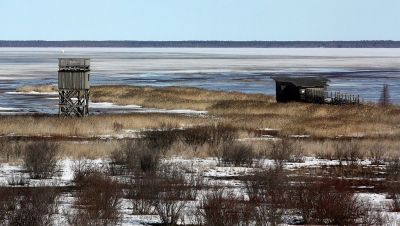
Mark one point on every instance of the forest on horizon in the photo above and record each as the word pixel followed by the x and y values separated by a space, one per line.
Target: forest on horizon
pixel 204 44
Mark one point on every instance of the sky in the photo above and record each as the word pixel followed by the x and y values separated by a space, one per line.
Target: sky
pixel 240 20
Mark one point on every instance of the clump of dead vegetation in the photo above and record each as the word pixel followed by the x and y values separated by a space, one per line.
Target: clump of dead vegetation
pixel 144 154
pixel 221 207
pixel 284 150
pixel 327 202
pixel 237 154
pixel 165 193
pixel 266 191
pixel 40 159
pixel 28 206
pixel 137 155
pixel 97 200
pixel 10 150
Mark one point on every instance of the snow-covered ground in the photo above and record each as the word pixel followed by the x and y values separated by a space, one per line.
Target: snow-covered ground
pixel 32 93
pixel 207 167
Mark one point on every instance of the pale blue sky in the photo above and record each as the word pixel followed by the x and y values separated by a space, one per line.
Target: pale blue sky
pixel 200 19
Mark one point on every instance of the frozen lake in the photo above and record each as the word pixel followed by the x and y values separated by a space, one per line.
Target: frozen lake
pixel 354 71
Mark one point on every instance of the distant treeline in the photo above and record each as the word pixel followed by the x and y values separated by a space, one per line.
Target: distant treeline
pixel 206 44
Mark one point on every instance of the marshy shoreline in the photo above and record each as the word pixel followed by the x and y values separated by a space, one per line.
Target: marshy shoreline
pixel 246 150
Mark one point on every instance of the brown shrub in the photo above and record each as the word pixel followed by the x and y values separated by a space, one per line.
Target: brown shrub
pixel 97 200
pixel 83 169
pixel 162 139
pixel 196 136
pixel 173 194
pixel 28 206
pixel 393 170
pixel 10 150
pixel 40 159
pixel 220 135
pixel 8 203
pixel 266 191
pixel 348 151
pixel 165 194
pixel 377 153
pixel 328 202
pixel 393 184
pixel 237 154
pixel 225 208
pixel 285 150
pixel 142 193
pixel 137 156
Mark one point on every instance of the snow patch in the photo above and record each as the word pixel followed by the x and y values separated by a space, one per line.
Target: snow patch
pixel 8 109
pixel 111 105
pixel 32 93
pixel 300 136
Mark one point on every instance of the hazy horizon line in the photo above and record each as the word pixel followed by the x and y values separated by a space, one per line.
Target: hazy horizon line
pixel 194 40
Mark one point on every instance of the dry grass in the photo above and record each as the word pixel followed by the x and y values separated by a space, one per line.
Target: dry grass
pixel 318 120
pixel 244 111
pixel 90 126
pixel 40 89
pixel 170 97
pixel 89 149
pixel 93 149
pixel 384 149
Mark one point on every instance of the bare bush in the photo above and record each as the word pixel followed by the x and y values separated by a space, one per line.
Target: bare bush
pixel 373 217
pixel 162 139
pixel 8 203
pixel 348 151
pixel 266 191
pixel 40 159
pixel 393 184
pixel 377 153
pixel 117 127
pixel 393 170
pixel 97 200
pixel 225 208
pixel 143 155
pixel 10 150
pixel 142 193
pixel 220 135
pixel 196 136
pixel 173 194
pixel 28 206
pixel 83 169
pixel 285 150
pixel 328 202
pixel 137 156
pixel 237 154
pixel 165 193
pixel 118 164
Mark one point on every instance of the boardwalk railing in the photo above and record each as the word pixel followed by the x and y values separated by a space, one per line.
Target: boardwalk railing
pixel 342 98
pixel 320 96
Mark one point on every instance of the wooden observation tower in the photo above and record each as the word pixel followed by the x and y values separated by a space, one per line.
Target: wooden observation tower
pixel 73 86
